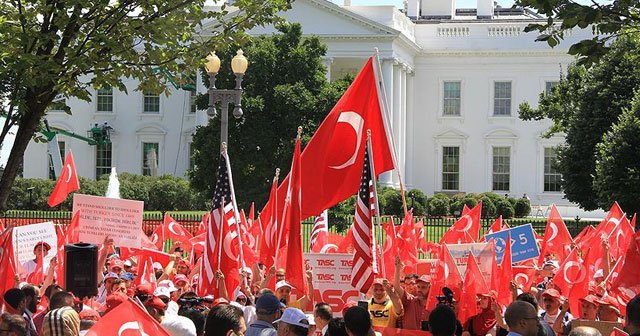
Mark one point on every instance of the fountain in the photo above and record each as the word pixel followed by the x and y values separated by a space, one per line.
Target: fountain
pixel 113 188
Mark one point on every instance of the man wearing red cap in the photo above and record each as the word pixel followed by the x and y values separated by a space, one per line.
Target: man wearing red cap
pixel 385 306
pixel 415 307
pixel 608 309
pixel 552 301
pixel 40 250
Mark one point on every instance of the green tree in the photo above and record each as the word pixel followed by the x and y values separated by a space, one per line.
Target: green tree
pixel 285 87
pixel 617 175
pixel 63 48
pixel 609 20
pixel 583 106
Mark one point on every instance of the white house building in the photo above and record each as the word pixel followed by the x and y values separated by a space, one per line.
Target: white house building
pixel 453 77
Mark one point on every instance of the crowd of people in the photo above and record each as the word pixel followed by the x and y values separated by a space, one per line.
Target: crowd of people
pixel 263 305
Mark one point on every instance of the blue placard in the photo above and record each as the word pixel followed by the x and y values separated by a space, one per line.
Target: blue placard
pixel 523 243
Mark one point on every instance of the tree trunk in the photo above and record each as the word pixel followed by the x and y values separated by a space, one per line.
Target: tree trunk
pixel 27 127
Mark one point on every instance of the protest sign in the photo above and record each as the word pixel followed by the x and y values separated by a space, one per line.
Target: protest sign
pixel 332 279
pixel 120 219
pixel 604 327
pixel 460 253
pixel 523 243
pixel 26 237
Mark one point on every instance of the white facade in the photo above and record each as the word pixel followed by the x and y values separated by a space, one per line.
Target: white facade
pixel 481 61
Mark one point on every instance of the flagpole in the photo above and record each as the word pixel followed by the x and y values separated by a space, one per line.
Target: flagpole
pixel 382 101
pixel 274 213
pixel 375 198
pixel 220 229
pixel 235 208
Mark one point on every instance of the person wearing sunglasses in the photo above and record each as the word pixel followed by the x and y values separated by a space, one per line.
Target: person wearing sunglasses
pixel 522 319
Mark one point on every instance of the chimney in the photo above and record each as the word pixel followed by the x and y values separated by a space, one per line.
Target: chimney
pixel 485 9
pixel 413 9
pixel 442 9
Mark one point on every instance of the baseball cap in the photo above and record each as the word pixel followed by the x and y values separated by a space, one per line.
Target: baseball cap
pixel 283 283
pixel 157 265
pixel 116 263
pixel 294 316
pixel 127 276
pixel 424 278
pixel 162 291
pixel 115 299
pixel 311 319
pixel 378 281
pixel 179 325
pixel 144 289
pixel 128 263
pixel 111 275
pixel 348 305
pixel 89 314
pixel 590 298
pixel 553 263
pixel 551 292
pixel 157 303
pixel 219 301
pixel 42 243
pixel 180 277
pixel 268 303
pixel 168 284
pixel 607 300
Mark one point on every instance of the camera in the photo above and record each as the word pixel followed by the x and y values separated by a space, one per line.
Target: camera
pixel 446 298
pixel 193 302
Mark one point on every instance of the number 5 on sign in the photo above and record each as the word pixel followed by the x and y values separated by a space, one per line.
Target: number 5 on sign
pixel 522 248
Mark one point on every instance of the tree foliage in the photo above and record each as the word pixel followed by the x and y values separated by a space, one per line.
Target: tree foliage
pixel 608 21
pixel 64 48
pixel 617 175
pixel 583 106
pixel 285 87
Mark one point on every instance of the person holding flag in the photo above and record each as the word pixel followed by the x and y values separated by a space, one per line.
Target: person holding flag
pixel 415 307
pixel 385 306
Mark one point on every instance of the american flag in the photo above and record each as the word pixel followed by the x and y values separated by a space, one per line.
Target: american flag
pixel 221 243
pixel 320 232
pixel 364 267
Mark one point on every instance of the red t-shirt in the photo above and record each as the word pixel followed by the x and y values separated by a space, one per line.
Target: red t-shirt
pixel 414 312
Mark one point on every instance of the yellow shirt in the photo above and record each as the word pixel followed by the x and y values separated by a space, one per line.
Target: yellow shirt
pixel 382 314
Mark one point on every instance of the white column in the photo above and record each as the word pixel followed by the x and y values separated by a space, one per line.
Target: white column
pixel 396 119
pixel 402 138
pixel 328 61
pixel 387 79
pixel 409 151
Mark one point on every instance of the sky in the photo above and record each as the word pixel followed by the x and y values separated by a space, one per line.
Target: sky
pixel 6 147
pixel 399 3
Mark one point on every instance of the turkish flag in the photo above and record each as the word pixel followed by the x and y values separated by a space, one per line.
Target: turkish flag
pixel 331 164
pixel 408 244
pixel 249 242
pixel 557 239
pixel 389 249
pixel 572 279
pixel 7 264
pixel 584 236
pixel 524 276
pixel 37 276
pixel 145 273
pixel 270 224
pixel 506 276
pixel 620 238
pixel 495 227
pixel 627 283
pixel 609 223
pixel 466 229
pixel 446 275
pixel 171 229
pixel 202 227
pixel 127 319
pixel 465 209
pixel 474 284
pixel 296 271
pixel 67 182
pixel 420 237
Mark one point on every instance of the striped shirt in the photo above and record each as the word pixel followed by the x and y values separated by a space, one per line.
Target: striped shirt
pixel 63 321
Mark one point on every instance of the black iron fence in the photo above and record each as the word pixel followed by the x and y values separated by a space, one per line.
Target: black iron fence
pixel 435 227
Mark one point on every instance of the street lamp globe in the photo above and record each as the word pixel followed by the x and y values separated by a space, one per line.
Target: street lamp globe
pixel 239 63
pixel 213 63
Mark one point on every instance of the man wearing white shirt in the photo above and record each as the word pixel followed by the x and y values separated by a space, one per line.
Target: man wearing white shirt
pixel 522 319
